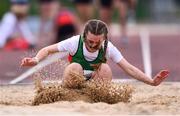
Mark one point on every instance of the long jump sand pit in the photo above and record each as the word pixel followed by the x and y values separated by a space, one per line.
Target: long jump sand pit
pixel 135 98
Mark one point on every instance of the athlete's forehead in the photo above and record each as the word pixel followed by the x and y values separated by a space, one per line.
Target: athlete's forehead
pixel 95 38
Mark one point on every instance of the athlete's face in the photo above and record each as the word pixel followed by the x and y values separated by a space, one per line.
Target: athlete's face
pixel 93 42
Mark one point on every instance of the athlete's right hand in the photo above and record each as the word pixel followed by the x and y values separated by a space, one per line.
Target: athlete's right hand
pixel 29 61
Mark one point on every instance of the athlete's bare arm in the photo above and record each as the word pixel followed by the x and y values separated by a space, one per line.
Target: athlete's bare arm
pixel 43 53
pixel 139 75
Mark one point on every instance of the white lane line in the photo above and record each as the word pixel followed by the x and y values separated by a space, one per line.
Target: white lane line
pixel 146 52
pixel 42 64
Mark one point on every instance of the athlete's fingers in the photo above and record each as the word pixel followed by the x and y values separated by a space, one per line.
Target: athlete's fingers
pixel 160 77
pixel 164 73
pixel 25 61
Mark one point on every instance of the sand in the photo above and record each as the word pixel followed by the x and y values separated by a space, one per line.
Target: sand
pixel 76 89
pixel 163 99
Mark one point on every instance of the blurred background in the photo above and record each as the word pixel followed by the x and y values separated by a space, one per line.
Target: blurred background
pixel 146 10
pixel 147 32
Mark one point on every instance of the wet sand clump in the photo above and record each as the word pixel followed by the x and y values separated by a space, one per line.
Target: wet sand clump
pixel 88 91
pixel 108 92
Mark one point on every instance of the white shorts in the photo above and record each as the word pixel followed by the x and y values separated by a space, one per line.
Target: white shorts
pixel 88 74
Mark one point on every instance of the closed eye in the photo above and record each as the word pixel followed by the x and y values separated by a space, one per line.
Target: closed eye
pixel 92 42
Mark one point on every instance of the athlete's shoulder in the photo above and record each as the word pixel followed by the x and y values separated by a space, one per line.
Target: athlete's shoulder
pixel 74 38
pixel 9 17
pixel 110 44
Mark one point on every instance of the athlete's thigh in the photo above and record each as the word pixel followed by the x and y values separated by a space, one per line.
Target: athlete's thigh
pixel 103 73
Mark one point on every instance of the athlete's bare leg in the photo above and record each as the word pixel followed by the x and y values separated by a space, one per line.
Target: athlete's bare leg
pixel 104 73
pixel 68 81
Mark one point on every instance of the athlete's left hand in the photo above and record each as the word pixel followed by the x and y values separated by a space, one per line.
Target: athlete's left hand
pixel 160 77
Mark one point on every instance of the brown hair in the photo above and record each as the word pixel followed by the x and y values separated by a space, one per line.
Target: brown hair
pixel 97 27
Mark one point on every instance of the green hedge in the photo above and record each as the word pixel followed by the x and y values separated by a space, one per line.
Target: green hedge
pixel 4 7
pixel 142 8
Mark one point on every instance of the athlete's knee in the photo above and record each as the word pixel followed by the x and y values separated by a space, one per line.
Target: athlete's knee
pixel 68 79
pixel 105 68
pixel 74 67
pixel 104 73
